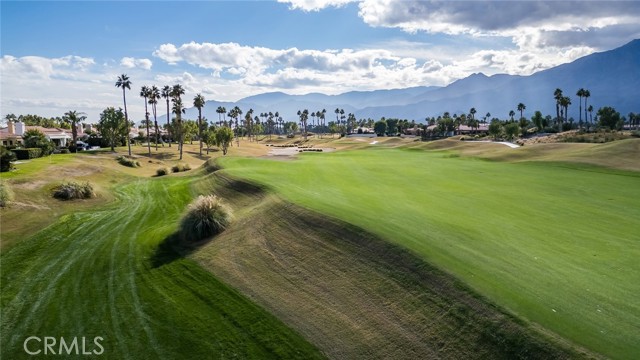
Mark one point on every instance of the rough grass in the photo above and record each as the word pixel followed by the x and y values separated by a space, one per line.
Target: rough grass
pixel 73 191
pixel 353 294
pixel 6 194
pixel 206 216
pixel 553 243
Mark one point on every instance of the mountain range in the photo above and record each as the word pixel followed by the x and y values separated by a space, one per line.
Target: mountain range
pixel 612 78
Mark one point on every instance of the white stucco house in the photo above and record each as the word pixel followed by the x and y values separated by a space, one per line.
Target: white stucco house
pixel 12 134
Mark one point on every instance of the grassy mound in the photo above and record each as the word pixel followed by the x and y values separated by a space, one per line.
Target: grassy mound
pixel 206 216
pixel 73 190
pixel 128 161
pixel 6 194
pixel 180 167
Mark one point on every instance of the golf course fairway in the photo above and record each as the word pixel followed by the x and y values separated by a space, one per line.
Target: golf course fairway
pixel 556 244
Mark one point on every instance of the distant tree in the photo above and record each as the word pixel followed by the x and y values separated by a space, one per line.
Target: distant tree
pixel 512 114
pixel 145 92
pixel 199 102
pixel 511 130
pixel 538 120
pixel 224 137
pixel 176 94
pixel 380 127
pixel 609 117
pixel 113 126
pixel 221 110
pixel 73 118
pixel 521 108
pixel 564 103
pixel 590 113
pixel 472 112
pixel 304 115
pixel 209 137
pixel 495 129
pixel 124 83
pixel 154 97
pixel 586 94
pixel 557 95
pixel 580 94
pixel 166 93
pixel 35 138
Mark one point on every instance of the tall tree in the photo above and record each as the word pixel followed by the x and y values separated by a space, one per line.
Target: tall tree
pixel 176 93
pixel 73 118
pixel 198 102
pixel 473 111
pixel 304 115
pixel 124 83
pixel 565 102
pixel 580 94
pixel 166 93
pixel 512 114
pixel 113 126
pixel 154 96
pixel 521 108
pixel 557 95
pixel 586 94
pixel 221 111
pixel 145 92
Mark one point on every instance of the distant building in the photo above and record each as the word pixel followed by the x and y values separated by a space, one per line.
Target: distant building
pixel 12 134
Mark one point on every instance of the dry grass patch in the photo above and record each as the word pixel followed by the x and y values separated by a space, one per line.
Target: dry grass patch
pixel 74 191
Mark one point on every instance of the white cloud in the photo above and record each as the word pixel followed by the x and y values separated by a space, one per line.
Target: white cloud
pixel 41 67
pixel 315 5
pixel 130 63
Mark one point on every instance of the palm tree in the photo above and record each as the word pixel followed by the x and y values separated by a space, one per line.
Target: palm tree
pixel 586 94
pixel 304 115
pixel 73 118
pixel 322 117
pixel 124 83
pixel 472 111
pixel 580 94
pixel 220 110
pixel 166 93
pixel 145 92
pixel 198 102
pixel 178 109
pixel 176 92
pixel 565 101
pixel 511 114
pixel 557 95
pixel 590 113
pixel 521 108
pixel 154 96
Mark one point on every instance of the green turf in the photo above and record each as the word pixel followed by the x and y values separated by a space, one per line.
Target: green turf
pixel 556 244
pixel 100 274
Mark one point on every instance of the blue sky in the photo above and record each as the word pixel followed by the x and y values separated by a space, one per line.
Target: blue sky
pixel 59 56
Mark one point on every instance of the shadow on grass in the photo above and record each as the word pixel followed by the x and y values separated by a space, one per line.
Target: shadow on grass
pixel 175 247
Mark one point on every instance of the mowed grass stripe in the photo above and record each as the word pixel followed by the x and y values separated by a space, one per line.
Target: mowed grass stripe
pixel 95 274
pixel 556 244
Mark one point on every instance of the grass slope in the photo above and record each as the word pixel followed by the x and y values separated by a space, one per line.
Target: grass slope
pixel 353 294
pixel 555 244
pixel 99 274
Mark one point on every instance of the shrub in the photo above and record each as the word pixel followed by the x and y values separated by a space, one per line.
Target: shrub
pixel 6 195
pixel 65 151
pixel 206 216
pixel 127 161
pixel 73 190
pixel 635 133
pixel 6 159
pixel 29 153
pixel 162 171
pixel 180 167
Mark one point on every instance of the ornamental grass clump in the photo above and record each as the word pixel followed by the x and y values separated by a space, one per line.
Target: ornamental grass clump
pixel 73 190
pixel 180 167
pixel 6 194
pixel 206 216
pixel 163 171
pixel 128 162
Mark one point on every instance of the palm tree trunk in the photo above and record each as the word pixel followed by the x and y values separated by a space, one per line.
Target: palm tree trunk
pixel 126 118
pixel 168 124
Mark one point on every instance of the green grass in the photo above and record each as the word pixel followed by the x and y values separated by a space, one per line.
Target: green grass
pixel 101 273
pixel 555 244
